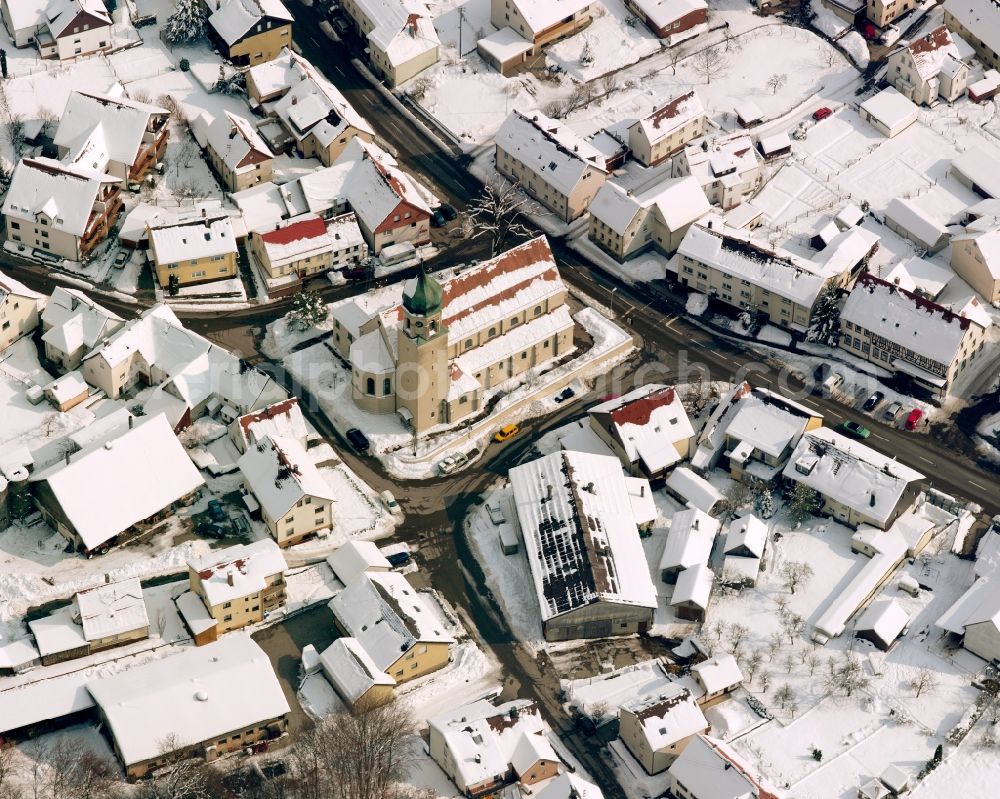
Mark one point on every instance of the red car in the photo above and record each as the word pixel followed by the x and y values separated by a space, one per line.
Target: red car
pixel 822 113
pixel 914 419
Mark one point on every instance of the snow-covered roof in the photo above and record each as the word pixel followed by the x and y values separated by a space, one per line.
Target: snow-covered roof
pixel 202 238
pixel 388 616
pixel 403 29
pixel 985 231
pixel 198 695
pixel 669 718
pixel 350 669
pixel 483 740
pixel 17 654
pixel 283 419
pixel 746 531
pixel 648 422
pixel 990 82
pixel 708 768
pixel 915 222
pixel 981 17
pixel 280 473
pixel 543 14
pixel 694 586
pixel 748 111
pixel 695 490
pixel 105 490
pixel 726 160
pixel 662 121
pixel 932 52
pixel 919 274
pixel 767 426
pixel 886 618
pixel 239 570
pixel 906 319
pixel 677 202
pixel 194 612
pixel 549 149
pixel 44 699
pixel 294 239
pixel 67 387
pixel 355 557
pixel 112 609
pixel 718 673
pixel 64 193
pixel 566 785
pixel 60 13
pixel 26 14
pixel 119 121
pixel 235 18
pixel 580 536
pixel 689 539
pixel 60 631
pixel 237 143
pixel 505 44
pixel 11 287
pixel 850 473
pixel 978 605
pixel 890 108
pixel 72 320
pixel 980 166
pixel 375 186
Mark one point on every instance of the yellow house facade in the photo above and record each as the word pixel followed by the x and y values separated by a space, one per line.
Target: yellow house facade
pixel 249 39
pixel 194 252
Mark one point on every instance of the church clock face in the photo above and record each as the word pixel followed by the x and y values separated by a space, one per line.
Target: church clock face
pixel 419 324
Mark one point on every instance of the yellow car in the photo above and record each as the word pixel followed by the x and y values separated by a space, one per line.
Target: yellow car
pixel 505 432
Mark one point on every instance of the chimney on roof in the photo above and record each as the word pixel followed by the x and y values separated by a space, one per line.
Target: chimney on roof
pixel 642 490
pixel 230 577
pixel 871 499
pixel 67 457
pixel 696 522
pixel 548 491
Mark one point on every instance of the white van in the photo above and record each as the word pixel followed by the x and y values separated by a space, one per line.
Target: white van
pixel 397 253
pixel 390 502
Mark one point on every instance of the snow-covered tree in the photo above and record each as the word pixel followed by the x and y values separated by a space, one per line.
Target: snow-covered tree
pixel 795 573
pixel 776 81
pixel 308 309
pixel 824 326
pixel 233 84
pixel 587 54
pixel 803 502
pixel 849 676
pixel 710 63
pixel 187 23
pixel 497 213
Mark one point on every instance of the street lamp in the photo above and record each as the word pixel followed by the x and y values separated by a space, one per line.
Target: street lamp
pixel 611 305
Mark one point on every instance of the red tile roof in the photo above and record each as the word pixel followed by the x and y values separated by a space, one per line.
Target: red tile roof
pixel 306 229
pixel 639 411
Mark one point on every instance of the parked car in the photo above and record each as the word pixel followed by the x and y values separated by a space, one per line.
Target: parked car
pixel 565 394
pixel 448 212
pixel 873 401
pixel 437 218
pixel 913 419
pixel 341 25
pixel 505 432
pixel 452 463
pixel 362 271
pixel 892 412
pixel 390 502
pixel 822 113
pixel 833 381
pixel 210 530
pixel 854 430
pixel 358 440
pixel 216 511
pixel 397 559
pixel 496 513
pixel 122 258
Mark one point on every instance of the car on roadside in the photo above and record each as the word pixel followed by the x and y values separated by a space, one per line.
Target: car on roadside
pixel 833 382
pixel 452 463
pixel 495 513
pixel 448 212
pixel 210 530
pixel 565 394
pixel 854 430
pixel 891 413
pixel 437 218
pixel 390 502
pixel 913 419
pixel 506 432
pixel 873 401
pixel 341 25
pixel 822 113
pixel 121 259
pixel 358 440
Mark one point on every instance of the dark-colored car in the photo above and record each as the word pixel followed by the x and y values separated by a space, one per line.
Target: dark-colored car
pixel 822 113
pixel 437 218
pixel 360 272
pixel 565 394
pixel 216 511
pixel 854 430
pixel 210 530
pixel 873 401
pixel 341 25
pixel 358 440
pixel 398 558
pixel 448 212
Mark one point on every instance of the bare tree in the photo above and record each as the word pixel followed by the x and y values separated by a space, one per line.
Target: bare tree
pixel 795 573
pixel 737 634
pixel 752 664
pixel 710 63
pixel 187 189
pixel 776 81
pixel 183 777
pixel 735 497
pixel 792 624
pixel 609 83
pixel 812 661
pixel 497 214
pixel 781 603
pixel 7 767
pixel 774 642
pixel 848 676
pixel 141 96
pixel 765 681
pixel 791 661
pixel 924 680
pixel 675 55
pixel 15 134
pixel 784 695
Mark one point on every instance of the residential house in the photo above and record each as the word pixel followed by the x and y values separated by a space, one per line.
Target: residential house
pixel 248 32
pixel 656 729
pixel 314 116
pixel 61 29
pixel 108 495
pixel 192 375
pixel 668 128
pixel 113 134
pixel 975 617
pixel 401 632
pixel 782 287
pixel 906 217
pixel 986 88
pixel 60 210
pixel 19 310
pixel 746 538
pixel 484 747
pixel 356 557
pixel 882 623
pixel 689 542
pixel 975 257
pixel 717 678
pixel 669 19
pixel 923 277
pixel 728 169
pixel 692 593
pixel 99 618
pixel 574 507
pixel 550 162
pixel 882 13
pixel 295 499
pixel 541 24
pixel 855 484
pixel 193 248
pixel 283 419
pixel 709 769
pixel 73 324
pixel 354 675
pixel 239 585
pixel 889 112
pixel 978 23
pixel 237 152
pixel 929 68
pixel 624 224
pixel 402 40
pixel 693 490
pixel 431 357
pixel 647 428
pixel 903 332
pixel 203 702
